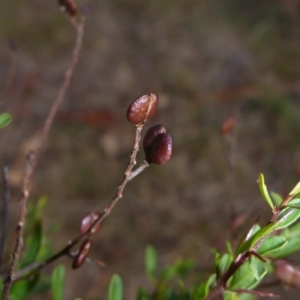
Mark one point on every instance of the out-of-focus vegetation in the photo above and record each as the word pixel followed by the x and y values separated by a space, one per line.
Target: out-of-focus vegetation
pixel 208 61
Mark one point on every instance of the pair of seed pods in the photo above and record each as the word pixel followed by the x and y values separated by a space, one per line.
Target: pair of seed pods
pixel 157 143
pixel 158 146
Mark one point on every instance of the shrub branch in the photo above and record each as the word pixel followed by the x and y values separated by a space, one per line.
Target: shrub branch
pixel 129 174
pixel 32 157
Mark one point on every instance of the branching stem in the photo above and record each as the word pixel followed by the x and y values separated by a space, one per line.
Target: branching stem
pixel 128 175
pixel 32 159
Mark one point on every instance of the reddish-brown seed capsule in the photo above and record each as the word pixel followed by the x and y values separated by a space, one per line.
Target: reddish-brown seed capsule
pixel 151 134
pixel 142 109
pixel 88 221
pixel 69 6
pixel 161 149
pixel 82 254
pixel 287 273
pixel 227 126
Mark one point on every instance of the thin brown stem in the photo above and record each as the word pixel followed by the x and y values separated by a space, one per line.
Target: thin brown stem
pixel 62 91
pixel 32 158
pixel 4 215
pixel 20 227
pixel 140 169
pixel 128 175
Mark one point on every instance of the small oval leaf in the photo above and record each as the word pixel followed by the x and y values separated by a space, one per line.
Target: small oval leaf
pixel 5 119
pixel 258 268
pixel 57 282
pixel 272 244
pixel 295 190
pixel 151 262
pixel 289 248
pixel 264 190
pixel 115 288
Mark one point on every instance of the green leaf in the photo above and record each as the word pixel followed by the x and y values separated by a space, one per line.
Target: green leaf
pixel 151 262
pixel 115 288
pixel 20 289
pixel 30 287
pixel 167 273
pixel 290 247
pixel 209 283
pixel 297 205
pixel 292 231
pixel 294 203
pixel 262 233
pixel 287 217
pixel 5 119
pixel 271 244
pixel 277 199
pixel 243 278
pixel 229 249
pixel 257 267
pixel 57 282
pixel 1 286
pixel 264 190
pixel 41 203
pixel 295 190
pixel 143 294
pixel 183 266
pixel 202 291
pixel 224 263
pixel 33 243
pixel 247 239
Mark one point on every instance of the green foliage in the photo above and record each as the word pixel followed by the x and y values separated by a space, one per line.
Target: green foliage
pixel 115 291
pixel 203 290
pixel 151 262
pixel 276 198
pixel 295 190
pixel 57 282
pixel 266 241
pixel 181 280
pixel 5 119
pixel 245 277
pixel 264 190
pixel 29 287
pixel 33 243
pixel 272 244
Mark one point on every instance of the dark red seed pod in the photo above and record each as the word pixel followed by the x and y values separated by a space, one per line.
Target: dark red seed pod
pixel 88 221
pixel 69 6
pixel 161 149
pixel 287 273
pixel 151 134
pixel 82 253
pixel 227 126
pixel 142 109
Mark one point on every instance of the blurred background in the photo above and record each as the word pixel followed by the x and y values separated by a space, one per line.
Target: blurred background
pixel 208 61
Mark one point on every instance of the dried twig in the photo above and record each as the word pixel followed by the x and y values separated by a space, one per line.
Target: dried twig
pixel 4 214
pixel 32 158
pixel 20 227
pixel 62 91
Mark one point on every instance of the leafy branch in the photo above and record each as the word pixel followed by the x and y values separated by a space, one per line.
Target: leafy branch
pixel 250 258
